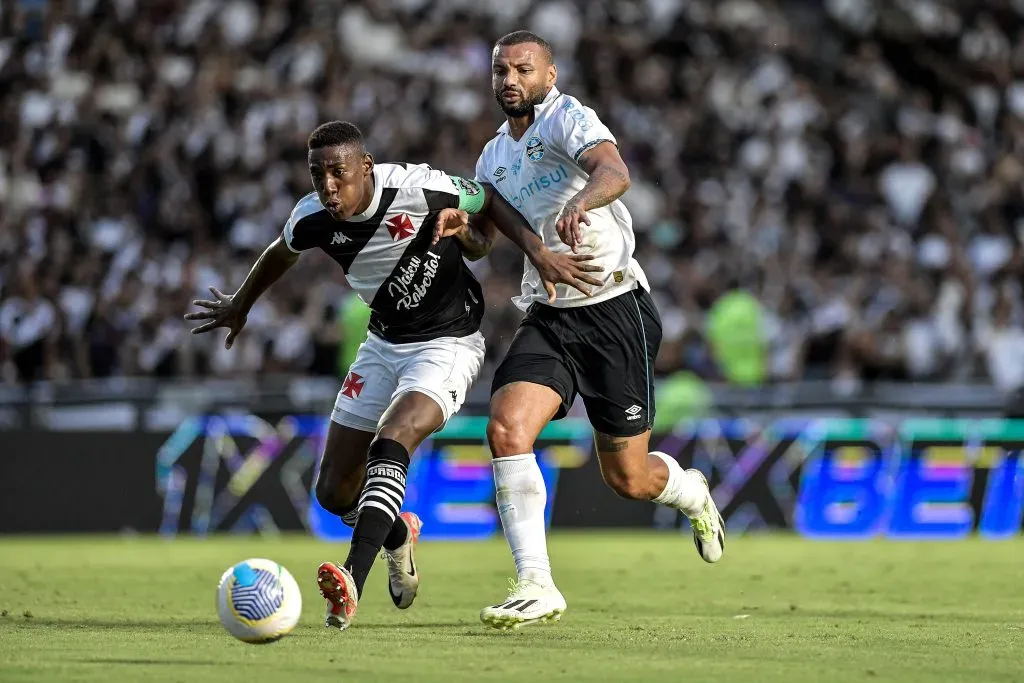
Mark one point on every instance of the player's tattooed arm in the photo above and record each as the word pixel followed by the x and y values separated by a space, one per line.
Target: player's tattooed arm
pixel 231 310
pixel 609 180
pixel 553 268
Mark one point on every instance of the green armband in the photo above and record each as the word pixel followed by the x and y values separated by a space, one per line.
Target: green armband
pixel 471 194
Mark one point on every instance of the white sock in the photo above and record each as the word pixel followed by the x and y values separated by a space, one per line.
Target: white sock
pixel 684 490
pixel 521 496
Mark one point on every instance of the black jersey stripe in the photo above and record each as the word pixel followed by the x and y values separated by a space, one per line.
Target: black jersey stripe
pixel 320 228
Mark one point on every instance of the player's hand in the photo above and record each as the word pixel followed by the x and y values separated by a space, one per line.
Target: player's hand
pixel 566 269
pixel 569 225
pixel 450 222
pixel 220 313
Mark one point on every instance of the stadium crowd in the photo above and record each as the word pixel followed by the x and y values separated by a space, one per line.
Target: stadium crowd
pixel 856 165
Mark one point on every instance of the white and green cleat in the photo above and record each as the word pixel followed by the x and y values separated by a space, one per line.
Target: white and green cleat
pixel 527 603
pixel 708 527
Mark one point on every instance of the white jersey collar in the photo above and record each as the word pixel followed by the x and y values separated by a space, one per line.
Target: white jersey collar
pixel 378 189
pixel 538 109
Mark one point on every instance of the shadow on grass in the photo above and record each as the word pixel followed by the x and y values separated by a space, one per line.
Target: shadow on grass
pixel 109 624
pixel 152 662
pixel 398 627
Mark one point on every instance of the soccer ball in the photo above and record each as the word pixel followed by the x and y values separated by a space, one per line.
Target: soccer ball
pixel 258 601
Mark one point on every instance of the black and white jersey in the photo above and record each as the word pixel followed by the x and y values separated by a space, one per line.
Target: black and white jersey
pixel 415 292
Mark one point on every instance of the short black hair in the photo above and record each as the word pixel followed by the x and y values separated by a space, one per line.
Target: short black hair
pixel 335 133
pixel 521 37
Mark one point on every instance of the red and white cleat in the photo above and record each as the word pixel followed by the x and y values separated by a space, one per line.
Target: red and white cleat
pixel 339 589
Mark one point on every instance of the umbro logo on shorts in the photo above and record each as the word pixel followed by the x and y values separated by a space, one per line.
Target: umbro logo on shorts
pixel 633 412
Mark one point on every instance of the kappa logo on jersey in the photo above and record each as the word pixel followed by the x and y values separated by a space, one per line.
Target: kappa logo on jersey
pixel 535 149
pixel 400 227
pixel 340 238
pixel 469 186
pixel 353 385
pixel 633 412
pixel 499 174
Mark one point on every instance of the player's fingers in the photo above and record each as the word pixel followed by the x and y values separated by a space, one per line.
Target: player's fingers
pixel 577 232
pixel 219 294
pixel 202 315
pixel 579 258
pixel 230 339
pixel 206 304
pixel 205 327
pixel 575 284
pixel 588 279
pixel 549 287
pixel 585 218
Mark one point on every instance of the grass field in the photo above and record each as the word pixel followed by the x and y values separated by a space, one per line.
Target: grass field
pixel 642 607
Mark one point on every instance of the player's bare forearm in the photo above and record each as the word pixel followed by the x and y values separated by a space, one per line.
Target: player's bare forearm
pixel 609 177
pixel 607 183
pixel 504 217
pixel 268 269
pixel 477 239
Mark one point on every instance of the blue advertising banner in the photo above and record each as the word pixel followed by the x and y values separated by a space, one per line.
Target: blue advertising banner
pixel 826 478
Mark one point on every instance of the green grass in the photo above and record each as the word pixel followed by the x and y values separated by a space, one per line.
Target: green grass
pixel 642 607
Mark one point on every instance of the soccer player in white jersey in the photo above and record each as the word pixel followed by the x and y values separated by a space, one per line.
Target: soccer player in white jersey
pixel 558 164
pixel 424 349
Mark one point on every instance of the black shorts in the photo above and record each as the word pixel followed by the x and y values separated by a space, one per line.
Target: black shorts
pixel 604 351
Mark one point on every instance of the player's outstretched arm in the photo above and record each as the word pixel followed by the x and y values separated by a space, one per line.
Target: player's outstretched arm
pixel 609 180
pixel 475 236
pixel 231 310
pixel 553 268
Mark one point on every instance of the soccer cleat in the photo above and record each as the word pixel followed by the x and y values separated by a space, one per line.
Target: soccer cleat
pixel 527 603
pixel 708 527
pixel 339 589
pixel 403 581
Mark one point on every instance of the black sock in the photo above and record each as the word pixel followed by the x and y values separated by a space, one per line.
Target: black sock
pixel 387 463
pixel 397 536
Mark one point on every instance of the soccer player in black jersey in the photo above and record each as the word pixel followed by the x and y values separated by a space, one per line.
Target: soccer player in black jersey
pixel 400 232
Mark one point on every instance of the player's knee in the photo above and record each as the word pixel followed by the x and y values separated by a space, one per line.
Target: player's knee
pixel 336 496
pixel 632 486
pixel 507 437
pixel 410 433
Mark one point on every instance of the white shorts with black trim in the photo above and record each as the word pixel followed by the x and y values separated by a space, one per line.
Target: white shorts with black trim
pixel 444 369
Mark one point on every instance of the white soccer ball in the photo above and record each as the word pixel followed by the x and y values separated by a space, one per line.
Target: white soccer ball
pixel 258 601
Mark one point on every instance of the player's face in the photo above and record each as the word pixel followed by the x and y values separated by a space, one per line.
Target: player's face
pixel 521 77
pixel 343 179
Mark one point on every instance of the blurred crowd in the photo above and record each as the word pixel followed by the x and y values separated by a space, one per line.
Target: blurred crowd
pixel 855 165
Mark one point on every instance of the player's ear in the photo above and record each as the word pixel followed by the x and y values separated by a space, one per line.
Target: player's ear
pixel 552 74
pixel 367 162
